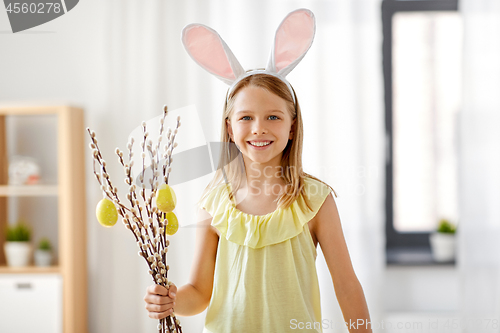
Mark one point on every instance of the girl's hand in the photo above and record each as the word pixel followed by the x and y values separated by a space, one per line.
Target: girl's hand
pixel 160 301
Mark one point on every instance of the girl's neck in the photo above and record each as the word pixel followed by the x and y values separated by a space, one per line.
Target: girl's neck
pixel 263 178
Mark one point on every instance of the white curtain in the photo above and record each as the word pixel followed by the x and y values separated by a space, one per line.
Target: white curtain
pixel 479 233
pixel 339 86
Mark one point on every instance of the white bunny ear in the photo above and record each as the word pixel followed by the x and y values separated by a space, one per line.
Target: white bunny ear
pixel 207 49
pixel 293 39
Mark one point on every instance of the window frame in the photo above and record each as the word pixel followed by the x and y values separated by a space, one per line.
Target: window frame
pixel 415 242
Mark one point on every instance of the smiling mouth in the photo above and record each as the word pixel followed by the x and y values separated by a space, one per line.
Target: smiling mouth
pixel 259 143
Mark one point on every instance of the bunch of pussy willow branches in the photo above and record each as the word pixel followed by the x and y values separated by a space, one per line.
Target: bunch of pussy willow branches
pixel 140 213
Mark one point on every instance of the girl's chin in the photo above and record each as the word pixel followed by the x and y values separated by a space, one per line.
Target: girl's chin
pixel 257 161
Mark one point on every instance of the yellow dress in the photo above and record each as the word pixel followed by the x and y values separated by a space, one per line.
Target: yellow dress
pixel 265 276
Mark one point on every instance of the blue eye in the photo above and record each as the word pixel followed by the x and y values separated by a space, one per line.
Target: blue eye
pixel 243 118
pixel 275 117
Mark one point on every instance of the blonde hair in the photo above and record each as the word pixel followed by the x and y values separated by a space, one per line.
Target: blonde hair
pixel 231 168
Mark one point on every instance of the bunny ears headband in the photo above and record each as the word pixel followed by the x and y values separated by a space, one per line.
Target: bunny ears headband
pixel 292 40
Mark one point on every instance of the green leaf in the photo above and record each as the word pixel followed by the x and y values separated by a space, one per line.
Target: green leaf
pixel 446 227
pixel 18 232
pixel 44 244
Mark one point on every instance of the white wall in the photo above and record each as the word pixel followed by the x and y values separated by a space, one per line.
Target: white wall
pixel 421 289
pixel 424 299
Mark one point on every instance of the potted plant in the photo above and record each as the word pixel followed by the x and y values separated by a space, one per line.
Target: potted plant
pixel 443 241
pixel 43 253
pixel 17 248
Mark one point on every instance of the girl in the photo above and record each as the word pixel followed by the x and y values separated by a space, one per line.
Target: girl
pixel 262 218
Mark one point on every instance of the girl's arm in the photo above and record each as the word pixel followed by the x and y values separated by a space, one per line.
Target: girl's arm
pixel 327 229
pixel 193 297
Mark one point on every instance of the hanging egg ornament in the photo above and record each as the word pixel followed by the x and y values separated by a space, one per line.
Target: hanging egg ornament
pixel 172 223
pixel 106 213
pixel 165 198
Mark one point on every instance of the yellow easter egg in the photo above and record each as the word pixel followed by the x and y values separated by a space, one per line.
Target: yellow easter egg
pixel 165 198
pixel 172 223
pixel 106 213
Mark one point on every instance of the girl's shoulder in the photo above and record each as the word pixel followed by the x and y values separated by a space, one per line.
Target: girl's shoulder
pixel 315 186
pixel 315 189
pixel 212 196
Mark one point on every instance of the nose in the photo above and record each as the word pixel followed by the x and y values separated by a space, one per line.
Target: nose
pixel 259 127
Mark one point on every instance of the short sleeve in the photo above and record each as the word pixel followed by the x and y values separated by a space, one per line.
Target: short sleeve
pixel 212 199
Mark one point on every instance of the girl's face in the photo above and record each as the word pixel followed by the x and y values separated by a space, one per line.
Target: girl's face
pixel 260 125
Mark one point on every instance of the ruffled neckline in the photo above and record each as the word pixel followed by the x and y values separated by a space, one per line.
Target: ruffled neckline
pixel 257 231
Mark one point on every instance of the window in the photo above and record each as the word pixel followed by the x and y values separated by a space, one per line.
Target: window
pixel 422 73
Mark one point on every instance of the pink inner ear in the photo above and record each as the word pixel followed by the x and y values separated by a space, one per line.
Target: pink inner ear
pixel 207 49
pixel 293 39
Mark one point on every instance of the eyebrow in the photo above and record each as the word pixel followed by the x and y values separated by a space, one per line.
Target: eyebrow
pixel 249 111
